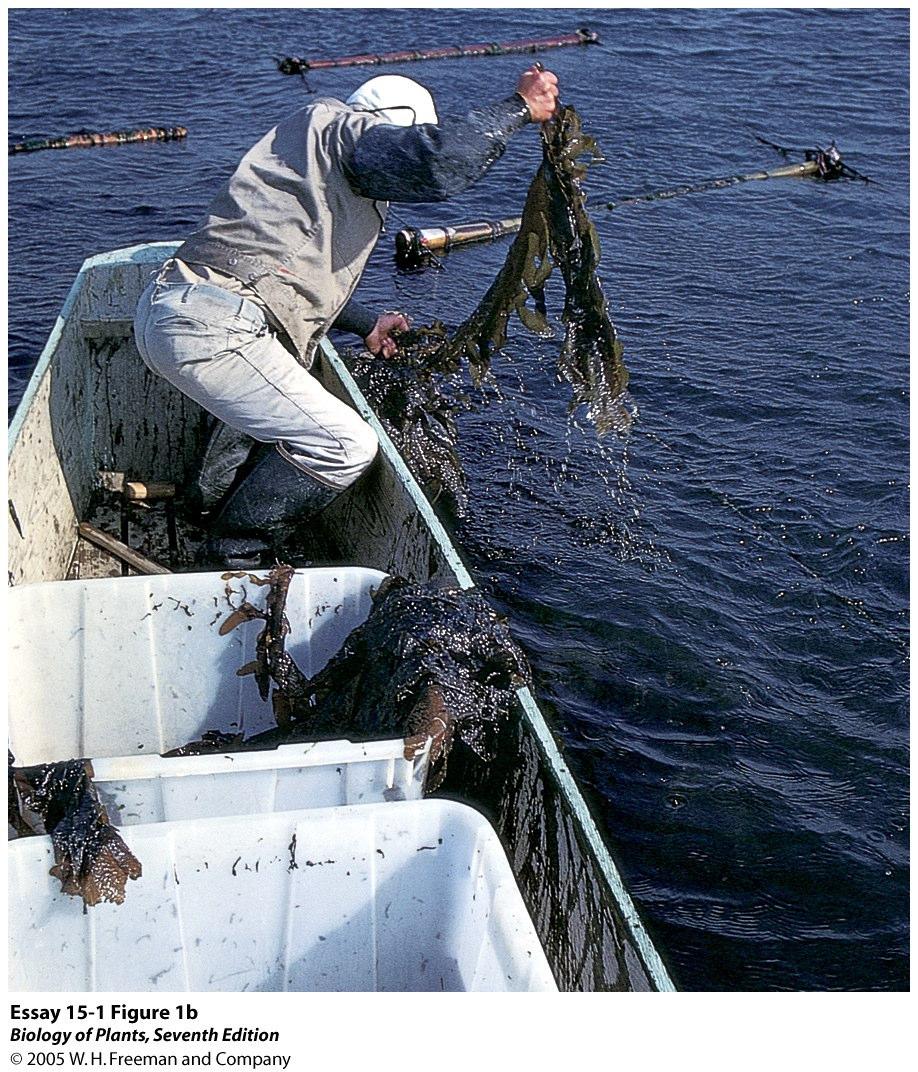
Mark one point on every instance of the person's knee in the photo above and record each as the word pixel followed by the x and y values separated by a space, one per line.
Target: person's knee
pixel 343 458
pixel 361 446
pixel 370 444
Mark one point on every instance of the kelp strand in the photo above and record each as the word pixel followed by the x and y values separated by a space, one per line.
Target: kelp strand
pixel 90 858
pixel 556 231
pixel 416 401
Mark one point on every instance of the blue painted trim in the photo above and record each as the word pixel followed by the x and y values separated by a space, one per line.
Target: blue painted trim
pixel 147 253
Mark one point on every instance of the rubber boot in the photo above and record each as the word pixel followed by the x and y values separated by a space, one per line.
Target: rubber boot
pixel 226 459
pixel 263 512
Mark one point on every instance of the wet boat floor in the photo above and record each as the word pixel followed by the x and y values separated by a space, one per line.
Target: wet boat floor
pixel 159 531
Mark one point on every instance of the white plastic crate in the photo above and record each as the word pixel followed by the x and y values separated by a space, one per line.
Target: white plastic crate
pixel 145 789
pixel 136 665
pixel 407 896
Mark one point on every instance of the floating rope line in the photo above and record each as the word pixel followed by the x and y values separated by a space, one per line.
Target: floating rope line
pixel 296 65
pixel 415 247
pixel 84 139
pixel 829 160
pixel 824 164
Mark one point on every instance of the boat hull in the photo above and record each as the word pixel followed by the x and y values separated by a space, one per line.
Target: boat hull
pixel 93 406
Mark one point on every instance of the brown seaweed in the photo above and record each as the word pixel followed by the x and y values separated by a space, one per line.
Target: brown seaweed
pixel 556 231
pixel 211 742
pixel 428 662
pixel 522 276
pixel 272 665
pixel 272 660
pixel 416 403
pixel 90 858
pixel 591 358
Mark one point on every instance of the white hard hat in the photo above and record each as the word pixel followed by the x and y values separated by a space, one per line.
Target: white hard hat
pixel 397 99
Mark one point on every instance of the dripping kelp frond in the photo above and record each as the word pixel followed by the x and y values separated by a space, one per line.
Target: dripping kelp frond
pixel 417 403
pixel 415 394
pixel 556 231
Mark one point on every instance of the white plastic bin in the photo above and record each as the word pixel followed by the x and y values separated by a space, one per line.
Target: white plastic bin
pixel 119 670
pixel 401 897
pixel 136 665
pixel 145 789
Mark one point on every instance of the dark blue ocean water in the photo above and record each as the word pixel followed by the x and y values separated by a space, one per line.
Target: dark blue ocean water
pixel 716 609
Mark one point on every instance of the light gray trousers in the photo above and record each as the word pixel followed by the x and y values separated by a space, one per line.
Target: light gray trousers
pixel 217 348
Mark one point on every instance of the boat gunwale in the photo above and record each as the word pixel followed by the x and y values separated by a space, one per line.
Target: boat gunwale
pixel 153 253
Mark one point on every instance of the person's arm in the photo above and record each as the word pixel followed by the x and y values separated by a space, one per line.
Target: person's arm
pixel 377 332
pixel 355 318
pixel 431 162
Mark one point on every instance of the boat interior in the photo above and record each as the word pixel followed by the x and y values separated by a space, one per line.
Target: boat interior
pixel 96 419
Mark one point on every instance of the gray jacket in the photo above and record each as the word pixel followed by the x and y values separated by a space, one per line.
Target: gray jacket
pixel 288 223
pixel 301 214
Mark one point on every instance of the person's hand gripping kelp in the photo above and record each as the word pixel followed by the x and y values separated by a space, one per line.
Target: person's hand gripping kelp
pixel 539 89
pixel 382 339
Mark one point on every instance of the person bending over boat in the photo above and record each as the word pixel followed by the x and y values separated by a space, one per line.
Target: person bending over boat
pixel 234 318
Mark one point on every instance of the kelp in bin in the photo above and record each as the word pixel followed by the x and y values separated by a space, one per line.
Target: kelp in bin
pixel 90 858
pixel 556 231
pixel 428 662
pixel 410 395
pixel 272 664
